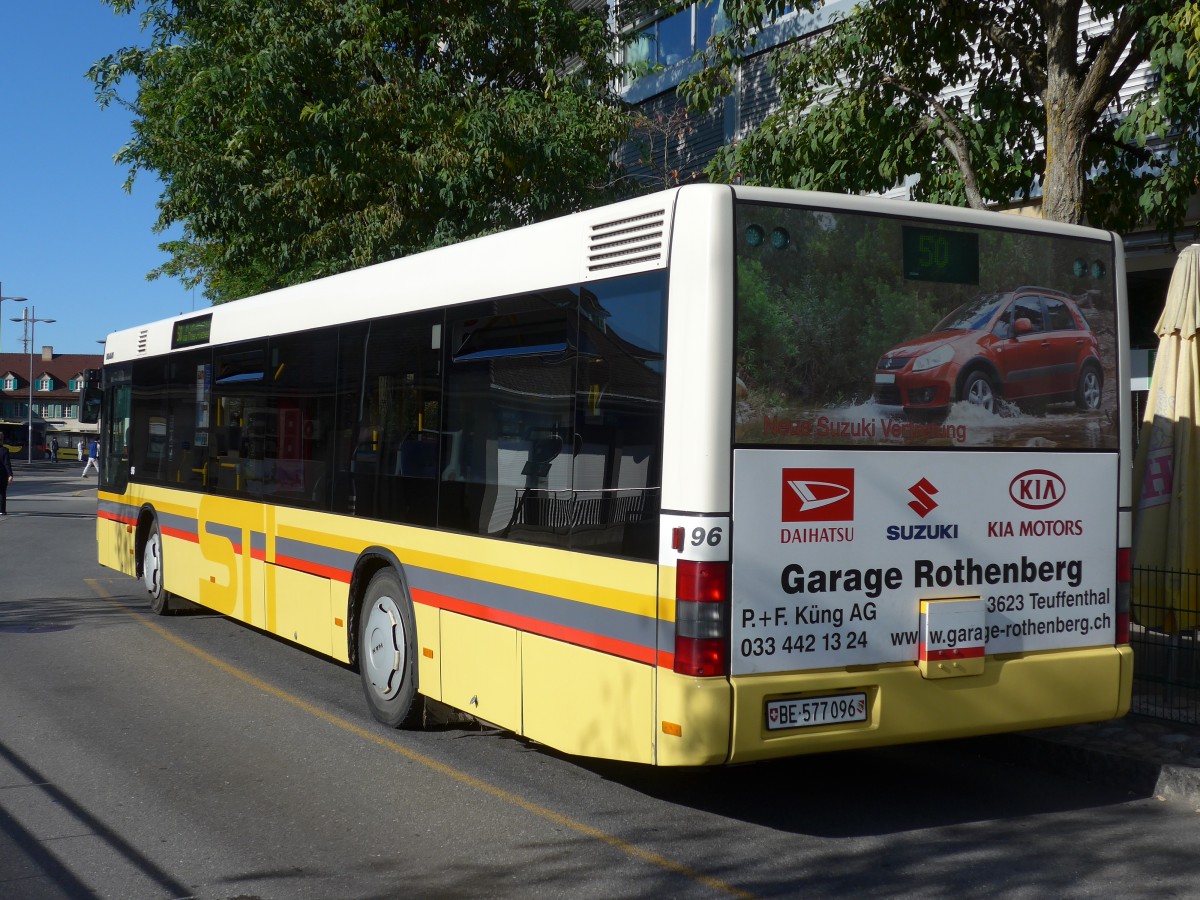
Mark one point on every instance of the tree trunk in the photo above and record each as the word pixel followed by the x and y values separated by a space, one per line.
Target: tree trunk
pixel 1064 181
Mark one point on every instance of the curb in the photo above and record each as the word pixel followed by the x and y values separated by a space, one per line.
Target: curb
pixel 1178 783
pixel 1139 776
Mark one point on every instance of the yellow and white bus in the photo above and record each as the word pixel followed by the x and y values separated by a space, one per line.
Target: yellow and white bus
pixel 714 475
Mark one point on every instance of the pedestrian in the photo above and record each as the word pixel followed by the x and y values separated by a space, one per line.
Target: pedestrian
pixel 54 449
pixel 79 449
pixel 93 458
pixel 6 477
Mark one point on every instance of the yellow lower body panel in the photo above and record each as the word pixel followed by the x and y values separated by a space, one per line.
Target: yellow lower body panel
pixel 481 669
pixel 306 615
pixel 1036 691
pixel 588 703
pixel 429 640
pixel 693 720
pixel 115 546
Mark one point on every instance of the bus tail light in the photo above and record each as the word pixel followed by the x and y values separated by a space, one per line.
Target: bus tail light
pixel 702 618
pixel 1124 578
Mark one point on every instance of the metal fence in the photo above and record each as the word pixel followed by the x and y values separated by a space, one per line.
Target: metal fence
pixel 1166 657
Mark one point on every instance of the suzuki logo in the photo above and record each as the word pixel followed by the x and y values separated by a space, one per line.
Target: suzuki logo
pixel 924 503
pixel 818 495
pixel 1037 489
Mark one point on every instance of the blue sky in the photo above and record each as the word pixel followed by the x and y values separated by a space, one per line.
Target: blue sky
pixel 71 239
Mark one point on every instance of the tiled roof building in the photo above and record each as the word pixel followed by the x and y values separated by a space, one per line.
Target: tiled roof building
pixel 56 383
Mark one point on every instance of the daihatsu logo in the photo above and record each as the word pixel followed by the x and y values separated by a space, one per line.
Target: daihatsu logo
pixel 818 495
pixel 1037 489
pixel 815 494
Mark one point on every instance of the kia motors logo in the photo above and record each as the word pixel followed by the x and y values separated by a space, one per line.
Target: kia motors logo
pixel 924 503
pixel 1037 489
pixel 818 495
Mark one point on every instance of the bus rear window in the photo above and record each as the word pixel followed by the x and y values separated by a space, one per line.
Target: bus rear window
pixel 874 330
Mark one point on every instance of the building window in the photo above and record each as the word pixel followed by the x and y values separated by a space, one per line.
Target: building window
pixel 45 383
pixel 10 383
pixel 675 38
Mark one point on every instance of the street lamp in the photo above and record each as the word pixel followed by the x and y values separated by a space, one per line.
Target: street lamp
pixel 2 299
pixel 29 317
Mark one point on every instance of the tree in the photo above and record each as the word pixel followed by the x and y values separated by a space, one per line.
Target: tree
pixel 987 101
pixel 299 138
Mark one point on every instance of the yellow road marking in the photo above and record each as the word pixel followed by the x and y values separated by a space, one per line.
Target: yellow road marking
pixel 639 853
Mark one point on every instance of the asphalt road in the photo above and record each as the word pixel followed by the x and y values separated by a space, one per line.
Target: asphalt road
pixel 145 757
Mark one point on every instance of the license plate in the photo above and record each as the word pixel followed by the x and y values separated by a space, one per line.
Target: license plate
pixel 882 378
pixel 806 712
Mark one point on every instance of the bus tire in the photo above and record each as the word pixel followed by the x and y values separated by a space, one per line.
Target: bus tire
pixel 152 571
pixel 979 391
pixel 387 657
pixel 1087 392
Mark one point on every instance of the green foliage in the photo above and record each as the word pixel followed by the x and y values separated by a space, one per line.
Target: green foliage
pixel 1160 128
pixel 986 102
pixel 299 138
pixel 812 320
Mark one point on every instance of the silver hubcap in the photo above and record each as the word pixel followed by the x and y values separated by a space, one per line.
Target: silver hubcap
pixel 980 394
pixel 385 647
pixel 152 564
pixel 1091 390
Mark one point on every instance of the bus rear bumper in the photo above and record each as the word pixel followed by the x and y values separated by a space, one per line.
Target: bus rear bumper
pixel 1011 694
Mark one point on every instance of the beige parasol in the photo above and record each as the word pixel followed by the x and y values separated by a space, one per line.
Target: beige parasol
pixel 1166 530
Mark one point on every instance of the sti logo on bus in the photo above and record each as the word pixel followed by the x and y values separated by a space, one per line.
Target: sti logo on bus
pixel 818 495
pixel 1037 489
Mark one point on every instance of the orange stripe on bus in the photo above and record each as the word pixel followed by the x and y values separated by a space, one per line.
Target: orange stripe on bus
pixel 191 536
pixel 312 568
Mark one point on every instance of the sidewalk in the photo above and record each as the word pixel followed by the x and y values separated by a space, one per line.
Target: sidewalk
pixel 1142 755
pixel 41 468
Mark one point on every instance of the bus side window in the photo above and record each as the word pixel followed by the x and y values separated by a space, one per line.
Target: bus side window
pixel 510 385
pixel 618 453
pixel 395 458
pixel 242 433
pixel 297 417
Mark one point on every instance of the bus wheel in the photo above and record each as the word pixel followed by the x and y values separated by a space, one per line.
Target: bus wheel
pixel 387 659
pixel 977 390
pixel 152 571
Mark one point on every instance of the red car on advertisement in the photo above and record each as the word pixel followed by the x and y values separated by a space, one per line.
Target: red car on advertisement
pixel 1030 343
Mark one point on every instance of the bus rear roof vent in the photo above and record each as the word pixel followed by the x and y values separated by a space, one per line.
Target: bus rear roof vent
pixel 635 240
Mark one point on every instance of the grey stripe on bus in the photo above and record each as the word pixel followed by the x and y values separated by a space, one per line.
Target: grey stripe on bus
pixel 325 557
pixel 180 524
pixel 610 623
pixel 631 628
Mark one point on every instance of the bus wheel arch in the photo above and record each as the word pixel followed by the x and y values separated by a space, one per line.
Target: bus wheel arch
pixel 383 639
pixel 150 562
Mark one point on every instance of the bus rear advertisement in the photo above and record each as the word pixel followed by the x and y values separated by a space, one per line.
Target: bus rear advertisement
pixel 709 476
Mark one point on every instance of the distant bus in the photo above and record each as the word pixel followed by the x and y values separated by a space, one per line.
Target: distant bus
pixel 714 475
pixel 68 445
pixel 15 436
